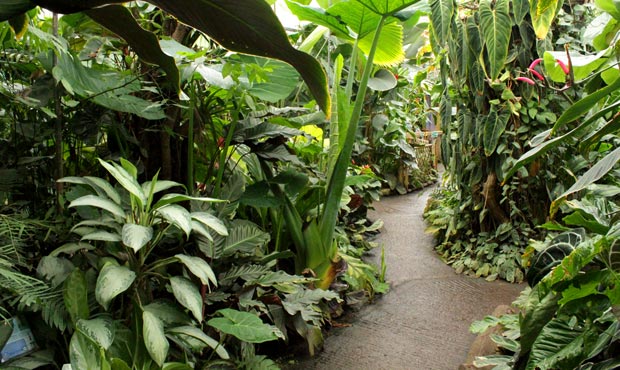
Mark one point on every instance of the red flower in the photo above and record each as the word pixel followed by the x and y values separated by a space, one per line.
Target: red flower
pixel 526 80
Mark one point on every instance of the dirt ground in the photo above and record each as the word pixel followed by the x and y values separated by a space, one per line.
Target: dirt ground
pixel 423 322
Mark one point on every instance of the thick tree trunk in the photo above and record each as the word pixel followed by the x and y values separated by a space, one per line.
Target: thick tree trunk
pixel 489 192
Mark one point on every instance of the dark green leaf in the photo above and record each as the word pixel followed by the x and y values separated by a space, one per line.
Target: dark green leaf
pixel 496 28
pixel 494 127
pixel 13 8
pixel 245 326
pixel 75 295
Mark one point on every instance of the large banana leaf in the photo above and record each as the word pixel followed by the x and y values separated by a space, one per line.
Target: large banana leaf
pixel 245 26
pixel 496 27
pixel 384 8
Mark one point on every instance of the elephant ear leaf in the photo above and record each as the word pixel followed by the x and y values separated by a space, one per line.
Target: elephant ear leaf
pixel 250 27
pixel 119 20
pixel 13 8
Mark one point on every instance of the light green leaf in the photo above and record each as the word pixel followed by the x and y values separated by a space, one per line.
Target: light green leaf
pixel 600 169
pixel 102 236
pixel 136 236
pixel 245 326
pixel 543 12
pixel 198 267
pixel 178 216
pixel 176 198
pixel 389 51
pixel 160 185
pixel 82 353
pixel 389 7
pixel 496 26
pixel 558 346
pixel 119 20
pixel 112 281
pixel 383 80
pixel 99 202
pixel 71 248
pixel 154 337
pixel 210 221
pixel 188 295
pixel 126 180
pixel 75 296
pixel 168 312
pixel 101 186
pixel 194 332
pixel 100 330
pixel 494 127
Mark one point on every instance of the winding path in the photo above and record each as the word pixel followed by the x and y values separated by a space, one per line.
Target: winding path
pixel 422 323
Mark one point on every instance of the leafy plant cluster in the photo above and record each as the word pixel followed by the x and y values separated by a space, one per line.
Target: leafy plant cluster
pixel 511 100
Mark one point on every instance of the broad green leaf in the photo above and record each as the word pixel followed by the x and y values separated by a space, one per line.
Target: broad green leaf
pixel 100 330
pixel 119 20
pixel 198 267
pixel 582 66
pixel 188 295
pixel 321 17
pixel 176 215
pixel 71 248
pixel 83 353
pixel 558 346
pixel 280 83
pixel 582 106
pixel 13 8
pixel 101 186
pixel 520 9
pixel 496 26
pixel 245 326
pixel 154 337
pixel 600 169
pixel 210 221
pixel 442 12
pixel 389 51
pixel 136 236
pixel 536 318
pixel 99 202
pixel 176 198
pixel 126 180
pixel 196 333
pixel 609 6
pixel 160 185
pixel 243 237
pixel 383 7
pixel 494 127
pixel 103 236
pixel 112 281
pixel 75 296
pixel 168 312
pixel 543 12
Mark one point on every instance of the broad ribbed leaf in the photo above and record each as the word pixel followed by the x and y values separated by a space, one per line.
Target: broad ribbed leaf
pixel 99 330
pixel 112 281
pixel 559 345
pixel 520 10
pixel 442 12
pixel 600 169
pixel 99 202
pixel 198 267
pixel 494 127
pixel 387 7
pixel 389 50
pixel 543 12
pixel 136 236
pixel 210 221
pixel 12 8
pixel 188 295
pixel 194 332
pixel 119 20
pixel 320 17
pixel 154 337
pixel 126 180
pixel 178 216
pixel 245 326
pixel 243 237
pixel 496 28
pixel 75 296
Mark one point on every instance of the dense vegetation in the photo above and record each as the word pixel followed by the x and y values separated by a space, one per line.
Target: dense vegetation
pixel 183 195
pixel 186 184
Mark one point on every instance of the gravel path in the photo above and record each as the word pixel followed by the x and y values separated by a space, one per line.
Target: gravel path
pixel 422 323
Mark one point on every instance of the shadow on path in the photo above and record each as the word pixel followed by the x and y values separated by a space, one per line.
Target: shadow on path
pixel 423 322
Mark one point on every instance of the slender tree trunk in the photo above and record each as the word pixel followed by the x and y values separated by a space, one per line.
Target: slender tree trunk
pixel 58 142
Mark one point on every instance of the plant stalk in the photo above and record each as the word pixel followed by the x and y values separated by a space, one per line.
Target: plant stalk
pixel 336 182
